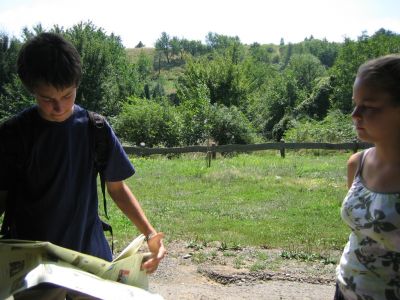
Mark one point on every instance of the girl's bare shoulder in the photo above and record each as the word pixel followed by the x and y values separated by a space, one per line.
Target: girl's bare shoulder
pixel 354 160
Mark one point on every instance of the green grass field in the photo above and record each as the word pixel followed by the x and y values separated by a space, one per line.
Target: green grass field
pixel 248 200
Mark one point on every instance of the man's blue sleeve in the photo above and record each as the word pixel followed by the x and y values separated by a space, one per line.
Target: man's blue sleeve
pixel 118 165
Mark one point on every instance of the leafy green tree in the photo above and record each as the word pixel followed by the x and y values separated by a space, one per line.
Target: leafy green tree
pixel 195 117
pixel 158 89
pixel 258 74
pixel 286 52
pixel 223 76
pixel 262 53
pixel 163 45
pixel 325 51
pixel 275 101
pixel 194 48
pixel 140 45
pixel 220 42
pixel 351 55
pixel 13 96
pixel 108 77
pixel 28 34
pixel 9 47
pixel 176 47
pixel 144 65
pixel 316 105
pixel 306 68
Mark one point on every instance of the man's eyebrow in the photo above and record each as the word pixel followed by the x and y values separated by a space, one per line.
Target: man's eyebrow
pixel 44 96
pixel 68 92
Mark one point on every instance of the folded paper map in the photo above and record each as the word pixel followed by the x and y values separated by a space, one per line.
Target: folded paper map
pixel 24 264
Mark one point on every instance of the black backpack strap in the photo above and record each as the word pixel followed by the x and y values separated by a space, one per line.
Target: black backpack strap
pixel 103 190
pixel 100 144
pixel 101 150
pixel 108 227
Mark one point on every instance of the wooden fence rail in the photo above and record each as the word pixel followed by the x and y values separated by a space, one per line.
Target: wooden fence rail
pixel 213 149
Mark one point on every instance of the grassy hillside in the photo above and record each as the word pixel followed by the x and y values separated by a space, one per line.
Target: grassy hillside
pixel 166 74
pixel 133 53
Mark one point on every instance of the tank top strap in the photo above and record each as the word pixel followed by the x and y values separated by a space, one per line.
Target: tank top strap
pixel 361 161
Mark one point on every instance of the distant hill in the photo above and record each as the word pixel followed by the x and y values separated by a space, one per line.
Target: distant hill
pixel 167 74
pixel 133 53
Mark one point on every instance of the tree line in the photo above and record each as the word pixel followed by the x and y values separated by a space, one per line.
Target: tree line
pixel 185 92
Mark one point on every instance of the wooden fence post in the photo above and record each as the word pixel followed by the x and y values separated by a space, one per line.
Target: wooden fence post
pixel 213 152
pixel 142 145
pixel 282 150
pixel 208 159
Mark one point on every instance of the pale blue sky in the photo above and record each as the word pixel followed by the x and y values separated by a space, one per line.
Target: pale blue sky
pixel 262 21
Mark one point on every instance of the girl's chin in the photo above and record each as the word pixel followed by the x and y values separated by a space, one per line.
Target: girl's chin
pixel 364 138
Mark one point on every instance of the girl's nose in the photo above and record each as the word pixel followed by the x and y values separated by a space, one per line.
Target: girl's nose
pixel 356 113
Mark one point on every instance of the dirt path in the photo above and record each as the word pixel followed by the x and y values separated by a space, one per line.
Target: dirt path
pixel 183 275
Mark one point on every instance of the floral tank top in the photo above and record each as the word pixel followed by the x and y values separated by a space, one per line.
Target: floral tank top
pixel 369 268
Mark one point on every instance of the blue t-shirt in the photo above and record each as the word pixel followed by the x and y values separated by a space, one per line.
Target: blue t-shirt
pixel 56 195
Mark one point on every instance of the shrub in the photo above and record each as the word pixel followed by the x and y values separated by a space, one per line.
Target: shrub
pixel 336 127
pixel 283 125
pixel 195 115
pixel 149 122
pixel 228 125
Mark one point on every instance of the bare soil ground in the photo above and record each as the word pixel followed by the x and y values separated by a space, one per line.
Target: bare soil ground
pixel 209 272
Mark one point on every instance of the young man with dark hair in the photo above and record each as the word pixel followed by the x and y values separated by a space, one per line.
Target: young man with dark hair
pixel 50 184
